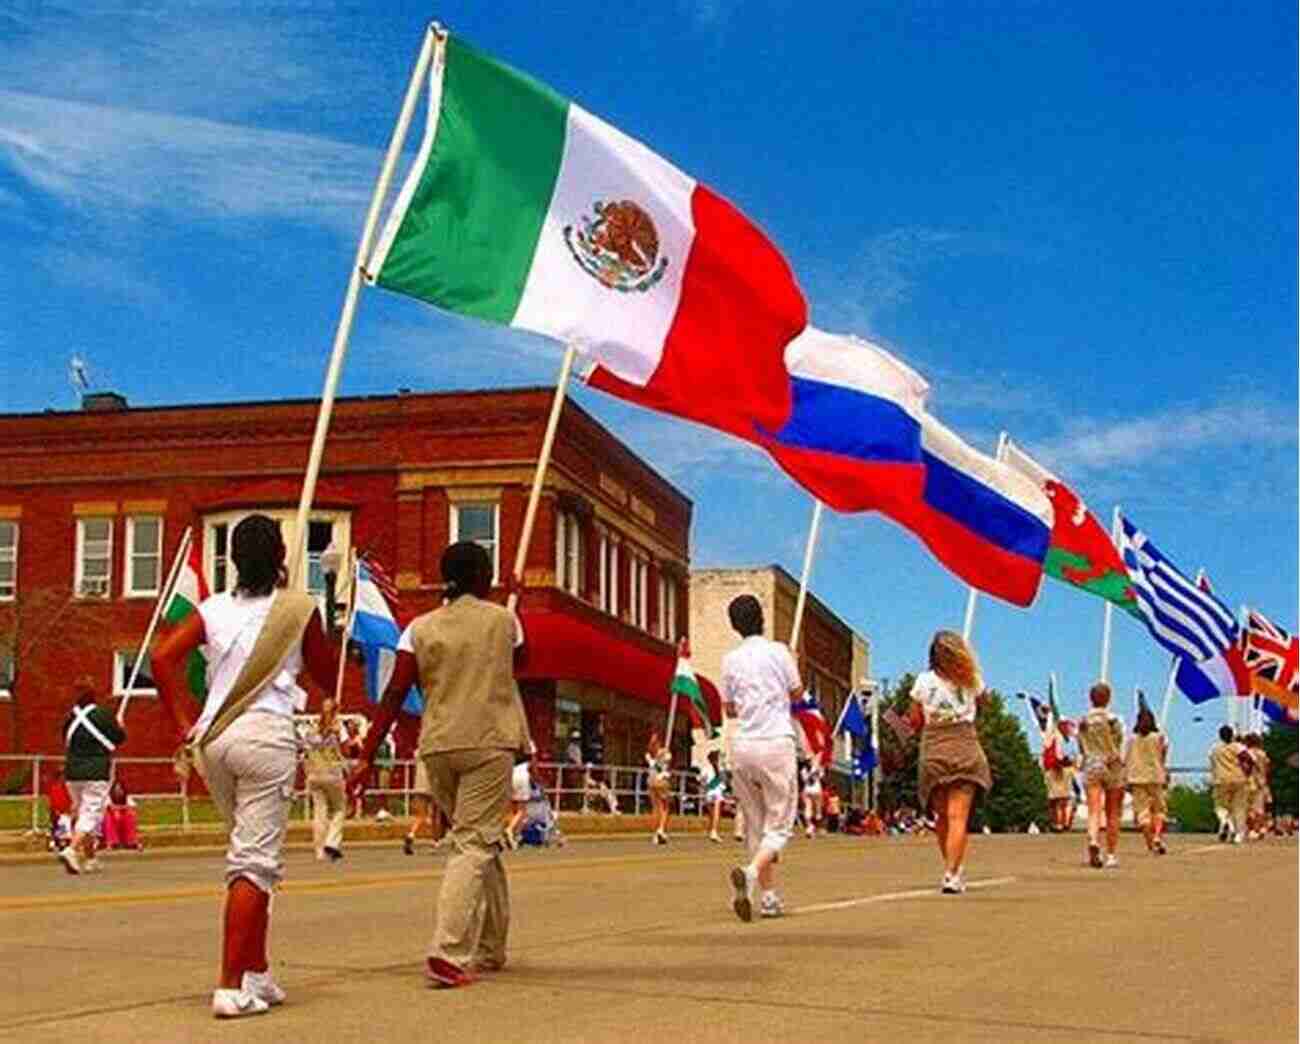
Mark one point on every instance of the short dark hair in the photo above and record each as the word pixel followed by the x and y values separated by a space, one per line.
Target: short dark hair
pixel 1225 733
pixel 1146 722
pixel 746 615
pixel 257 548
pixel 466 569
pixel 1099 694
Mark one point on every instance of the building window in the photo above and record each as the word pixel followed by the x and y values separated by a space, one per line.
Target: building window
pixel 478 522
pixel 638 593
pixel 667 608
pixel 94 557
pixel 6 674
pixel 568 553
pixel 323 528
pixel 219 556
pixel 123 662
pixel 8 560
pixel 608 574
pixel 319 534
pixel 143 555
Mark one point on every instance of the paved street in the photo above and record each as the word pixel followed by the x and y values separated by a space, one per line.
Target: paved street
pixel 615 940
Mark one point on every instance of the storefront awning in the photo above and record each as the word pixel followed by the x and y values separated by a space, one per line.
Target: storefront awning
pixel 565 647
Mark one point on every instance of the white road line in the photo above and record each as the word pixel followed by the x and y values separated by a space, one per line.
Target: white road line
pixel 889 897
pixel 1220 847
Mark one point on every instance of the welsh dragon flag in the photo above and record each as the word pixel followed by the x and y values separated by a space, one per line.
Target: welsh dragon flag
pixel 685 684
pixel 189 591
pixel 524 209
pixel 1080 551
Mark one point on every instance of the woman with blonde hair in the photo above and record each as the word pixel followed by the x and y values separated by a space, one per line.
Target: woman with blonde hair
pixel 1101 742
pixel 659 758
pixel 323 765
pixel 952 765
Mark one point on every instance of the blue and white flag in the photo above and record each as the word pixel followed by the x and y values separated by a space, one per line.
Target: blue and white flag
pixel 375 629
pixel 855 723
pixel 1186 618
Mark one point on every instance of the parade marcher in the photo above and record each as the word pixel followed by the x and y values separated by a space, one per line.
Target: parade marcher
pixel 91 735
pixel 1259 793
pixel 259 636
pixel 472 733
pixel 1101 743
pixel 1058 767
pixel 1229 765
pixel 715 791
pixel 1146 775
pixel 659 759
pixel 812 797
pixel 521 787
pixel 952 767
pixel 324 769
pixel 759 683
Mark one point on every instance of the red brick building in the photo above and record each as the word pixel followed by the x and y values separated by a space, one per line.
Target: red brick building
pixel 93 505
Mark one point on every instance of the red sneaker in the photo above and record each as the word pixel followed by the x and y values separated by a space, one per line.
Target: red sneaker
pixel 445 975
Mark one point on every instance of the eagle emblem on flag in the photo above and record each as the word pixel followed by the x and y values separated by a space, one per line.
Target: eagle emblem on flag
pixel 618 247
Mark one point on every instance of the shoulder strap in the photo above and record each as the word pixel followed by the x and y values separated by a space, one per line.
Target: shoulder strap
pixel 282 630
pixel 81 720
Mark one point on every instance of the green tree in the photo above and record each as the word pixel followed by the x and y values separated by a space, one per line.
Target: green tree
pixel 1280 745
pixel 1193 808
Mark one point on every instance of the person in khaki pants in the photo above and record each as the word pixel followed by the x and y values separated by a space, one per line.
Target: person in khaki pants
pixel 1228 778
pixel 323 765
pixel 472 733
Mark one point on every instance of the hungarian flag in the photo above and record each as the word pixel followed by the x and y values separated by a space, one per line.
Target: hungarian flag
pixel 190 590
pixel 1080 551
pixel 522 208
pixel 685 684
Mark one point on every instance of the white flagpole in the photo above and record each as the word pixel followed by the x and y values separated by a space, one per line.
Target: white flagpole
pixel 347 631
pixel 1170 687
pixel 802 600
pixel 1109 610
pixel 539 475
pixel 186 538
pixel 297 575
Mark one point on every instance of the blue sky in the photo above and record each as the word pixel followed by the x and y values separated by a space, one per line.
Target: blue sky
pixel 1077 220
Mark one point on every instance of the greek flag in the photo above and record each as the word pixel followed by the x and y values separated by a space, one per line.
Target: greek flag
pixel 1183 617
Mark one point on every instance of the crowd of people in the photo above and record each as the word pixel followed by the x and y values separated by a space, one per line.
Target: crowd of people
pixel 474 750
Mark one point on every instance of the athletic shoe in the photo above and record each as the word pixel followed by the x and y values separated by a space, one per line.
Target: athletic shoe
pixel 70 861
pixel 262 986
pixel 661 838
pixel 1160 847
pixel 334 854
pixel 1112 862
pixel 810 832
pixel 92 865
pixel 1094 855
pixel 715 839
pixel 743 901
pixel 960 877
pixel 445 975
pixel 408 845
pixel 738 837
pixel 235 1004
pixel 951 884
pixel 771 906
pixel 1236 839
pixel 1225 831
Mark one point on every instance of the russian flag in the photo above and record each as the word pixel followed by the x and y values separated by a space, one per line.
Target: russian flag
pixel 984 521
pixel 853 437
pixel 815 730
pixel 375 629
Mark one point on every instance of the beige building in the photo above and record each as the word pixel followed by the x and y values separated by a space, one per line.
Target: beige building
pixel 833 658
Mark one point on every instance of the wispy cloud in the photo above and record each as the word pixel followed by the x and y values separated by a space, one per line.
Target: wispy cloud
pixel 122 163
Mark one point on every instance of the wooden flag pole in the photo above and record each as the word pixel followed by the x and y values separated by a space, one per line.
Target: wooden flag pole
pixel 1109 611
pixel 297 574
pixel 968 621
pixel 800 603
pixel 539 476
pixel 163 598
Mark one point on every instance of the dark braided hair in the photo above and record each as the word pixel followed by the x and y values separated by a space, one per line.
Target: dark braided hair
pixel 746 615
pixel 257 548
pixel 466 569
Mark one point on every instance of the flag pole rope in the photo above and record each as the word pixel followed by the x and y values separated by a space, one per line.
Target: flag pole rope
pixel 164 597
pixel 297 575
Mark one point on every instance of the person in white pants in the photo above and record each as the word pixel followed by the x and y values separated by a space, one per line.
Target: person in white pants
pixel 759 682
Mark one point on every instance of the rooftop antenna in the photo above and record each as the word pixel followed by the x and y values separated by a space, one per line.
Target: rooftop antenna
pixel 78 376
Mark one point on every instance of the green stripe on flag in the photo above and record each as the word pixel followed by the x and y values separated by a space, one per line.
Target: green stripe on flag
pixel 686 685
pixel 1112 586
pixel 469 234
pixel 177 609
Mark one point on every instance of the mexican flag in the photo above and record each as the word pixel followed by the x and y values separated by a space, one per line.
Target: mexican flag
pixel 524 209
pixel 189 591
pixel 685 684
pixel 1080 551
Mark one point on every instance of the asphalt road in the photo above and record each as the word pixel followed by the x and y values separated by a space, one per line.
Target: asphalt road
pixel 617 940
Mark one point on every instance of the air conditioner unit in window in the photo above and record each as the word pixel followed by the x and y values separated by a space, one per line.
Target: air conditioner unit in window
pixel 93 587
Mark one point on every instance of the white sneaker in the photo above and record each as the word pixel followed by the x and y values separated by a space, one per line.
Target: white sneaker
pixel 1111 863
pixel 1236 839
pixel 263 986
pixel 771 906
pixel 715 839
pixel 742 881
pixel 959 876
pixel 235 1004
pixel 950 885
pixel 71 863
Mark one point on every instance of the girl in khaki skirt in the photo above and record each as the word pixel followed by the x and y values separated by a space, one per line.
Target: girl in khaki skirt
pixel 952 764
pixel 1101 742
pixel 1145 772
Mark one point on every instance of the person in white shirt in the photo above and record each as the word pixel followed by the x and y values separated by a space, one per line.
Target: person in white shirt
pixel 759 682
pixel 812 798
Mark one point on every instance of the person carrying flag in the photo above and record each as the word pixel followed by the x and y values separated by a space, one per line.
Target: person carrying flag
pixel 952 766
pixel 91 735
pixel 659 759
pixel 760 682
pixel 1146 776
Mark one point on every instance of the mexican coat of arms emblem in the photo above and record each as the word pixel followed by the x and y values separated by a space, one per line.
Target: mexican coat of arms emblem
pixel 618 246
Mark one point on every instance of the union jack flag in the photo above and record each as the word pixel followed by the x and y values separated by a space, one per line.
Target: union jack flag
pixel 1273 657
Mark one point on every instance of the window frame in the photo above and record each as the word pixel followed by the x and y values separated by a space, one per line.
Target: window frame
pixel 638 589
pixel 10 555
pixel 609 545
pixel 129 553
pixel 667 607
pixel 453 528
pixel 569 559
pixel 122 661
pixel 341 538
pixel 79 573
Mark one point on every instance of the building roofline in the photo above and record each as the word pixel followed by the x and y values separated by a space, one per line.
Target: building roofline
pixel 781 572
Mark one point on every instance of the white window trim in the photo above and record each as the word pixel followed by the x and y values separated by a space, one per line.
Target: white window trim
pixel 6 689
pixel 81 559
pixel 609 548
pixel 453 528
pixel 287 517
pixel 638 595
pixel 128 558
pixel 667 607
pixel 123 661
pixel 568 551
pixel 14 594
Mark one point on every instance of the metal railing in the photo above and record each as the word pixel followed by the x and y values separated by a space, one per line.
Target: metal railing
pixel 566 787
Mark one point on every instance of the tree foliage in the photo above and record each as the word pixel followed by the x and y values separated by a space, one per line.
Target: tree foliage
pixel 1280 744
pixel 1193 808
